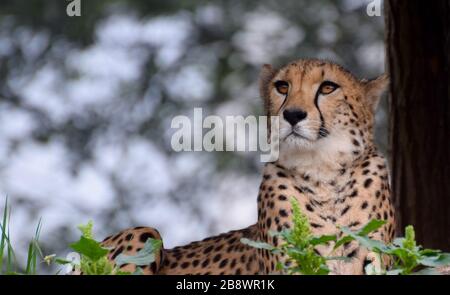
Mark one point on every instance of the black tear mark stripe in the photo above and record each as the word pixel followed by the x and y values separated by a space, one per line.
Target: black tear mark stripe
pixel 323 132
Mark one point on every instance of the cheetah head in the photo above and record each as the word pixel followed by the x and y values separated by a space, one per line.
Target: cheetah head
pixel 324 110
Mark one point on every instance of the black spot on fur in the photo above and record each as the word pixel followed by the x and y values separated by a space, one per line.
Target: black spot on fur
pixel 217 258
pixel 208 249
pixel 185 264
pixel 345 210
pixel 145 236
pixel 117 252
pixel 368 182
pixel 233 263
pixel 281 174
pixel 354 223
pixel 282 198
pixel 354 194
pixel 223 263
pixel 116 237
pixel 105 239
pixel 364 205
pixel 190 255
pixel 205 263
pixel 352 254
pixel 365 164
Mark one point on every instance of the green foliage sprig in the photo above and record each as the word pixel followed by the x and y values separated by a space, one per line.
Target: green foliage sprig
pixel 299 244
pixel 407 257
pixel 94 257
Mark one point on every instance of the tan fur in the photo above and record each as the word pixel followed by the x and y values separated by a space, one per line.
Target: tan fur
pixel 339 179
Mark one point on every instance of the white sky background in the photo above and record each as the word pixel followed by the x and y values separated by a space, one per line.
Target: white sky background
pixel 47 179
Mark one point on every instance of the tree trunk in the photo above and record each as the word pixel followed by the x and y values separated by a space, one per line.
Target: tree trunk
pixel 418 61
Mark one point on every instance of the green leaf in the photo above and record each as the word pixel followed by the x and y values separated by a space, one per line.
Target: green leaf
pixel 399 252
pixel 86 230
pixel 323 270
pixel 89 248
pixel 256 244
pixel 144 257
pixel 430 252
pixel 321 240
pixel 343 240
pixel 365 241
pixel 280 266
pixel 373 225
pixel 373 245
pixel 435 261
pixel 429 271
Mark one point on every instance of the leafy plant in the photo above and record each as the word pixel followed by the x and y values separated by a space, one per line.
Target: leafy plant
pixel 406 255
pixel 299 246
pixel 94 257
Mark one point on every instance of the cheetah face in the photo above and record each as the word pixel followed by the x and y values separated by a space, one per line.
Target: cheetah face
pixel 321 106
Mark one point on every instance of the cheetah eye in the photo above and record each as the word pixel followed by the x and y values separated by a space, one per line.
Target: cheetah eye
pixel 282 87
pixel 328 87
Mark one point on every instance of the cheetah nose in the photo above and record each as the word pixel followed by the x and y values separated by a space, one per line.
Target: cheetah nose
pixel 293 116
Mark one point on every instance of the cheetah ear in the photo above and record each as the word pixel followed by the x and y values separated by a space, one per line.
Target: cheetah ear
pixel 374 89
pixel 265 76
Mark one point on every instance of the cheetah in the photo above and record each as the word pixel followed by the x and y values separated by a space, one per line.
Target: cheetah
pixel 328 162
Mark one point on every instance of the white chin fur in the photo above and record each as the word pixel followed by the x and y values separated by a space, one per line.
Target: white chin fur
pixel 293 142
pixel 318 159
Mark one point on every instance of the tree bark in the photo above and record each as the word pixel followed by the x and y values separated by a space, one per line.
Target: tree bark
pixel 418 62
